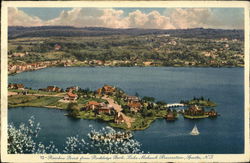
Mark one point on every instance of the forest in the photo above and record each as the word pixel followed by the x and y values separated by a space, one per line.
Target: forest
pixel 127 47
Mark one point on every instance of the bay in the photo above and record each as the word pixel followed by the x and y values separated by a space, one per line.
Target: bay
pixel 225 86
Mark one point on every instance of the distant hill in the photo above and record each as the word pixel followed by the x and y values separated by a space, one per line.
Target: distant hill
pixel 68 31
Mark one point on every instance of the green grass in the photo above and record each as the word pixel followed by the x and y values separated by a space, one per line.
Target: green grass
pixel 31 91
pixel 204 103
pixel 195 117
pixel 23 100
pixel 85 100
pixel 122 125
pixel 20 99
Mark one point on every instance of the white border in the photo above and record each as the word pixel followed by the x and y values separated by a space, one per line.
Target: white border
pixel 4 75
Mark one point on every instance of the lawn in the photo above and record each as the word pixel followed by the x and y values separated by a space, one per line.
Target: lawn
pixel 39 101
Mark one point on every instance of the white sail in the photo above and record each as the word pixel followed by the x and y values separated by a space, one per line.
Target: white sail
pixel 195 131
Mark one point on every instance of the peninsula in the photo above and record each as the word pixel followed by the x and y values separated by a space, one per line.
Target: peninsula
pixel 107 103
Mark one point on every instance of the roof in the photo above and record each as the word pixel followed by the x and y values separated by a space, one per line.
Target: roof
pixel 93 103
pixel 170 114
pixel 19 85
pixel 134 104
pixel 57 88
pixel 132 97
pixel 108 88
pixel 50 87
pixel 71 94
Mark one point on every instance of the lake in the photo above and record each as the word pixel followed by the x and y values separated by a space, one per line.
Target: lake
pixel 224 86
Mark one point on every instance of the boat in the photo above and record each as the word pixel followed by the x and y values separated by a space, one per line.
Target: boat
pixel 195 131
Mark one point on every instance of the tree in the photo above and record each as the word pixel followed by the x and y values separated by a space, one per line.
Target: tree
pixel 73 106
pixel 149 99
pixel 161 103
pixel 73 109
pixel 137 94
pixel 19 48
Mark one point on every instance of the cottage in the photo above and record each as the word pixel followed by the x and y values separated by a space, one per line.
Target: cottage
pixel 73 88
pixel 134 106
pixel 212 113
pixel 105 108
pixel 70 96
pixel 16 86
pixel 170 116
pixel 106 89
pixel 194 111
pixel 92 105
pixel 132 98
pixel 53 89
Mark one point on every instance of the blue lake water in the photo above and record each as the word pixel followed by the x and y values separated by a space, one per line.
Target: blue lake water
pixel 225 86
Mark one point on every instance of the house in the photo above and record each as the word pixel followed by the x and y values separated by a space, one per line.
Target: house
pixel 119 118
pixel 73 88
pixel 57 47
pixel 134 106
pixel 16 86
pixel 57 89
pixel 194 111
pixel 70 96
pixel 92 105
pixel 212 113
pixel 106 89
pixel 53 89
pixel 105 108
pixel 132 98
pixel 170 116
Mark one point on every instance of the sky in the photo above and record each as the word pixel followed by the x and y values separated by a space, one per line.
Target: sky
pixel 149 18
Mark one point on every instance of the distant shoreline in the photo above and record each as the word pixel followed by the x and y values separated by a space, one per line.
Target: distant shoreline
pixel 88 66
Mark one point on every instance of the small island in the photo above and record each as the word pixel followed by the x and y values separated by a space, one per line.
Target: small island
pixel 201 101
pixel 108 103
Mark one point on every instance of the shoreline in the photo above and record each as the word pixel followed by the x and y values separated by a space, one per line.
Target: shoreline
pixel 109 104
pixel 99 66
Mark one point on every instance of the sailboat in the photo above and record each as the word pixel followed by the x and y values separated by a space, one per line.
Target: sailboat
pixel 195 131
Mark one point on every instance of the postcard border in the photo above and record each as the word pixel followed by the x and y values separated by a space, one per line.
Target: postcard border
pixel 4 76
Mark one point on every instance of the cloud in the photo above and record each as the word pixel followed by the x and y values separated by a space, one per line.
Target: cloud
pixel 19 18
pixel 190 18
pixel 94 17
pixel 154 19
pixel 175 18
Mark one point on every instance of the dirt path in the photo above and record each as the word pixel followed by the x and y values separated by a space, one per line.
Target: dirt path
pixel 57 95
pixel 117 107
pixel 128 120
